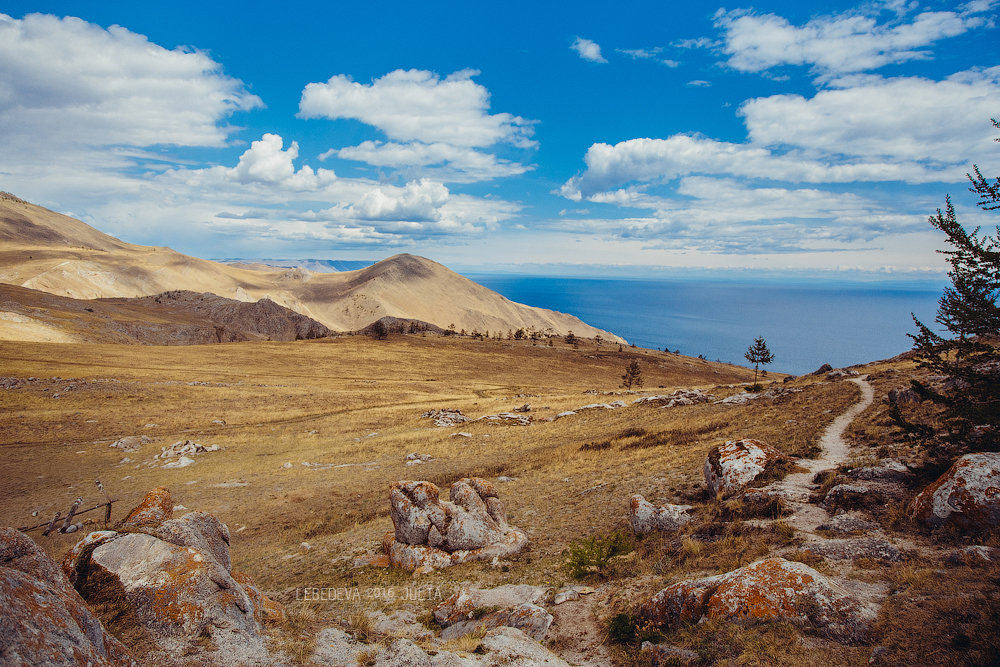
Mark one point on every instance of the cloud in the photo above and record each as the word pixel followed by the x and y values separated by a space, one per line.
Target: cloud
pixel 869 130
pixel 66 84
pixel 588 50
pixel 444 161
pixel 906 118
pixel 418 201
pixel 417 105
pixel 838 44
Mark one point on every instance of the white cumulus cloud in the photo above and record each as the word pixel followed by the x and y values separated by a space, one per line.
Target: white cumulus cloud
pixel 67 83
pixel 588 50
pixel 842 43
pixel 417 105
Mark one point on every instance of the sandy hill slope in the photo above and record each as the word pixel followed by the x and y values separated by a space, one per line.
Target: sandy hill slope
pixel 46 251
pixel 171 318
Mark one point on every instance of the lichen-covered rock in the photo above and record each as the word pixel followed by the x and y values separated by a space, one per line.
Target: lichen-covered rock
pixel 461 605
pixel 644 517
pixel 531 619
pixel 734 466
pixel 851 496
pixel 772 589
pixel 847 524
pixel 431 533
pixel 265 610
pixel 967 496
pixel 171 579
pixel 200 530
pixel 890 470
pixel 44 620
pixel 155 508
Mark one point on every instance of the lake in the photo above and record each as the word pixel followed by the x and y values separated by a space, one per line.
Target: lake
pixel 806 324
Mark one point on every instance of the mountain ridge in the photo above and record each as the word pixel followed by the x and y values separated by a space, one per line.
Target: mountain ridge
pixel 50 252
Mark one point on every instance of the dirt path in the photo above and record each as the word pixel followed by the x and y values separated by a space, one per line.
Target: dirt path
pixel 796 487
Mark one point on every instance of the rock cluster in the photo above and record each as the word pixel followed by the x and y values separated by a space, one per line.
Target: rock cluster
pixel 507 419
pixel 44 619
pixel 771 394
pixel 430 533
pixel 734 466
pixel 679 397
pixel 772 589
pixel 644 517
pixel 966 495
pixel 131 443
pixel 446 417
pixel 172 579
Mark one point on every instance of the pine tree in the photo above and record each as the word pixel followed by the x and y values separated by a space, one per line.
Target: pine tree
pixel 970 359
pixel 758 354
pixel 632 376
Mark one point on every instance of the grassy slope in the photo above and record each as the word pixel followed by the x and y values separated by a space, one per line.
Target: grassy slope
pixel 358 402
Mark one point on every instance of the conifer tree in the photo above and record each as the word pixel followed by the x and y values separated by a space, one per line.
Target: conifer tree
pixel 632 376
pixel 968 310
pixel 758 354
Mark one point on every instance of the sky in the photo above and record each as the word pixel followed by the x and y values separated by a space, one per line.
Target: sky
pixel 591 138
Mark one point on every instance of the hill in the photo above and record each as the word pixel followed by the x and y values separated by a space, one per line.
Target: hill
pixel 171 318
pixel 50 252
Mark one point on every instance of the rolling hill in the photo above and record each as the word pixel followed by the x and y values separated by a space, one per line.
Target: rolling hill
pixel 46 251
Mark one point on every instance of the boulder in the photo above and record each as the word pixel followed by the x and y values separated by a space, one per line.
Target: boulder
pixel 510 646
pixel 445 417
pixel 513 605
pixel 889 470
pixel 648 518
pixel 171 580
pixel 431 533
pixel 44 619
pixel 772 589
pixel 967 496
pixel 734 466
pixel 850 496
pixel 156 507
pixel 131 443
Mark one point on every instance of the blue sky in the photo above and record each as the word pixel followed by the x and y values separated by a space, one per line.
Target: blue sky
pixel 778 136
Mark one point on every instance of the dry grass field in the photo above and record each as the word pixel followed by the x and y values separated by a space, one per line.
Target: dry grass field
pixel 350 407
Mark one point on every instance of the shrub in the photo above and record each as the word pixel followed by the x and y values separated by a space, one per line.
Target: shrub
pixel 592 555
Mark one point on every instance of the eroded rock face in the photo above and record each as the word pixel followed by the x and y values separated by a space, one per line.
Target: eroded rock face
pixel 968 495
pixel 172 579
pixel 644 517
pixel 734 466
pixel 432 533
pixel 767 590
pixel 44 620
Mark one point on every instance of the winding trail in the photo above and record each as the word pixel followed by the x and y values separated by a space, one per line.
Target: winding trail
pixel 796 487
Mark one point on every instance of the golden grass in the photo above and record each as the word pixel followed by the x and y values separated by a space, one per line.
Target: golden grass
pixel 352 405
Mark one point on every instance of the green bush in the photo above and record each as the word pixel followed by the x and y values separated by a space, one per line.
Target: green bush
pixel 592 555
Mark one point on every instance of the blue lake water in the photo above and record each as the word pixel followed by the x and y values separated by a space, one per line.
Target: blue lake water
pixel 805 324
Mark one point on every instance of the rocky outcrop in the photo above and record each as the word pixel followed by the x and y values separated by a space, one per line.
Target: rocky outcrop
pixel 644 517
pixel 131 443
pixel 477 610
pixel 680 397
pixel 445 417
pixel 772 589
pixel 967 496
pixel 44 620
pixel 172 579
pixel 736 465
pixel 853 549
pixel 430 533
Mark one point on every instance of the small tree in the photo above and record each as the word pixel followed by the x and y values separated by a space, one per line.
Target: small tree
pixel 632 376
pixel 758 354
pixel 570 338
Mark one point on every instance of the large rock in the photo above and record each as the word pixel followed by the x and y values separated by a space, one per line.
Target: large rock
pixel 734 466
pixel 967 496
pixel 44 620
pixel 432 533
pixel 772 589
pixel 155 508
pixel 171 579
pixel 644 517
pixel 478 610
